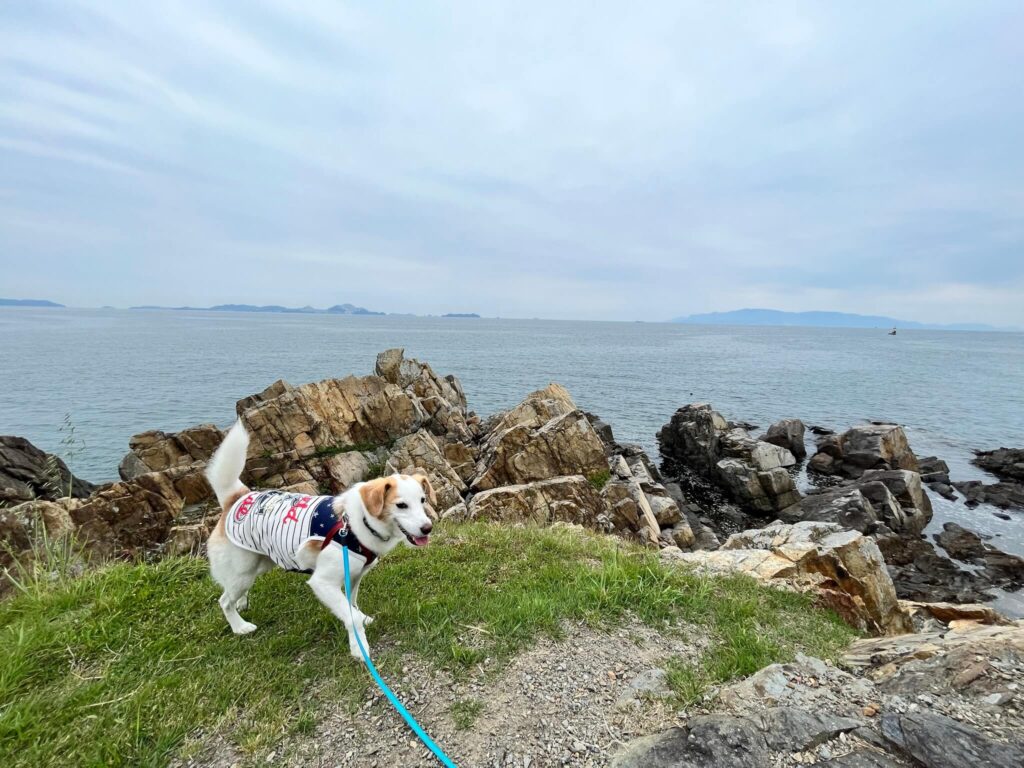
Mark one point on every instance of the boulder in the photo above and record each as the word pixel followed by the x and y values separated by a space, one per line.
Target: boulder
pixel 419 452
pixel 129 516
pixel 752 472
pixel 887 507
pixel 847 507
pixel 441 398
pixel 21 524
pixel 1004 495
pixel 707 741
pixel 933 470
pixel 186 539
pixel 788 433
pixel 998 568
pixel 906 486
pixel 156 451
pixel 937 741
pixel 1005 463
pixel 28 473
pixel 570 499
pixel 545 436
pixel 921 573
pixel 864 447
pixel 844 567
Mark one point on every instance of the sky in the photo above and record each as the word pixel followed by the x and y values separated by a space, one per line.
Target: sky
pixel 558 160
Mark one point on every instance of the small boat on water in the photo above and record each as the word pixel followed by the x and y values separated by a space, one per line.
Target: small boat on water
pixel 893 331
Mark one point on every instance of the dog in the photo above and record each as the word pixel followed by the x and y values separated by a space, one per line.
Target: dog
pixel 259 530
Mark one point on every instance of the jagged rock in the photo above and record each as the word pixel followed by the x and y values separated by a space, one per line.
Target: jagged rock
pixel 341 471
pixel 788 433
pixel 1000 569
pixel 20 524
pixel 28 473
pixel 846 506
pixel 419 451
pixel 906 486
pixel 130 515
pixel 933 470
pixel 791 729
pixel 629 511
pixel 843 566
pixel 1003 494
pixel 936 741
pixel 156 451
pixel 604 431
pixel 860 448
pixel 708 741
pixel 543 437
pixel 570 499
pixel 751 471
pixel 441 398
pixel 960 543
pixel 887 507
pixel 1005 463
pixel 462 459
pixel 920 573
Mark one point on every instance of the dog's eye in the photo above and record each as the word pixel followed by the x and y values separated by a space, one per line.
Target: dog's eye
pixel 423 500
pixel 402 505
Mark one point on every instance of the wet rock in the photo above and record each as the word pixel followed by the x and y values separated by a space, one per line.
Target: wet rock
pixel 1005 463
pixel 999 568
pixel 920 573
pixel 28 473
pixel 788 433
pixel 933 470
pixel 1005 495
pixel 960 543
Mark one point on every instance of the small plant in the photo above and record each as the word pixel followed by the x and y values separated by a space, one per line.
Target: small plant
pixel 70 447
pixel 49 561
pixel 376 469
pixel 599 478
pixel 465 712
pixel 361 447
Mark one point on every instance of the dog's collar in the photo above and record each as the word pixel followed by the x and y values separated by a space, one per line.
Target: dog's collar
pixel 373 530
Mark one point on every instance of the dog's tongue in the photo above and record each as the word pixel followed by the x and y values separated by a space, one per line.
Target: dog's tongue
pixel 421 541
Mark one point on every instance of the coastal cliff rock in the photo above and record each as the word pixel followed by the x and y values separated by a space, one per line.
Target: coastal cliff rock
pixel 570 499
pixel 28 473
pixel 864 447
pixel 1005 463
pixel 752 472
pixel 543 437
pixel 788 433
pixel 156 451
pixel 843 567
pixel 419 452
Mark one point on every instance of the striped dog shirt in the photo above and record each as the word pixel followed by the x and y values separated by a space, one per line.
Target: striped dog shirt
pixel 277 524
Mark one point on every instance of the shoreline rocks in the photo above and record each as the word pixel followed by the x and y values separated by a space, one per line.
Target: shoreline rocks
pixel 28 473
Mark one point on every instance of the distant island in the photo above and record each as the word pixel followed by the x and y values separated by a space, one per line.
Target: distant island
pixel 821 320
pixel 461 314
pixel 337 309
pixel 30 303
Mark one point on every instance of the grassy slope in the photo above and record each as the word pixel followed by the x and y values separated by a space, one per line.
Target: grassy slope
pixel 132 664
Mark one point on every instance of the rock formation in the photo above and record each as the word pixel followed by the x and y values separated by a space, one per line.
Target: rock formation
pixel 28 473
pixel 860 448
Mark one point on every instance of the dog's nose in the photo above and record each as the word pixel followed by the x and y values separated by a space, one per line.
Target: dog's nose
pixel 427 528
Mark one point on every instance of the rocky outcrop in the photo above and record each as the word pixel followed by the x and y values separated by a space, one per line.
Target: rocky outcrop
pixel 441 398
pixel 156 451
pixel 847 507
pixel 24 524
pixel 998 568
pixel 419 452
pixel 1002 494
pixel 920 573
pixel 860 448
pixel 1005 463
pixel 844 567
pixel 545 436
pixel 28 473
pixel 752 472
pixel 570 499
pixel 788 433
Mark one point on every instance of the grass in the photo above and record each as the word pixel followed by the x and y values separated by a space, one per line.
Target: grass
pixel 363 447
pixel 465 712
pixel 599 478
pixel 134 665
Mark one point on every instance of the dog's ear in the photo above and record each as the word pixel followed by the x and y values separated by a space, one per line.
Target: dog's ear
pixel 375 495
pixel 427 488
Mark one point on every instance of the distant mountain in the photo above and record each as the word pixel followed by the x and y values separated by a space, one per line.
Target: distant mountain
pixel 29 303
pixel 461 314
pixel 337 309
pixel 820 320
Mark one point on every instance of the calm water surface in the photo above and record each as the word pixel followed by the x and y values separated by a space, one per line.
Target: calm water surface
pixel 119 372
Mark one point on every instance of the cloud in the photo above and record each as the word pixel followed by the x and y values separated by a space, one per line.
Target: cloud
pixel 573 161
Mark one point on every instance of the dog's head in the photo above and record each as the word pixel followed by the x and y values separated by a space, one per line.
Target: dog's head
pixel 400 501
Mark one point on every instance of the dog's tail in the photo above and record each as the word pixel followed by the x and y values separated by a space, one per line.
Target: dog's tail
pixel 227 463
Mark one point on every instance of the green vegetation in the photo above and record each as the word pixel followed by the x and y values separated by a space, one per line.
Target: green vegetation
pixel 599 478
pixel 465 712
pixel 134 664
pixel 375 469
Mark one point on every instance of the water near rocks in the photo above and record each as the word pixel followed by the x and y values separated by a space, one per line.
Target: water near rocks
pixel 119 372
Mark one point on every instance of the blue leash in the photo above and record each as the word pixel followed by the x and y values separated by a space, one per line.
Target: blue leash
pixel 409 719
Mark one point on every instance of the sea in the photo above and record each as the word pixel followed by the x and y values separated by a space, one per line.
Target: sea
pixel 81 382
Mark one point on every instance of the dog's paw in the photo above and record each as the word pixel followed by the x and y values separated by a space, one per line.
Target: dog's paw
pixel 245 628
pixel 367 620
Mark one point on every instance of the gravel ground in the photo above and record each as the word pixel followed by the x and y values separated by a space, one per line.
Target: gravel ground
pixel 571 702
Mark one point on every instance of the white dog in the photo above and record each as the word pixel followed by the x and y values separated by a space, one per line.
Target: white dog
pixel 260 529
